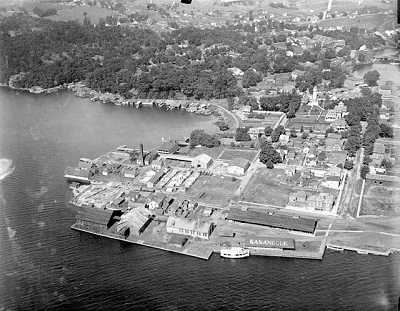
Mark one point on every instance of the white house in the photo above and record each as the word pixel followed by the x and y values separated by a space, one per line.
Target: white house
pixel 202 161
pixel 238 166
pixel 156 201
pixel 332 182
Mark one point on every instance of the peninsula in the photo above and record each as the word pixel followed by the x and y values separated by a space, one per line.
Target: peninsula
pixel 305 152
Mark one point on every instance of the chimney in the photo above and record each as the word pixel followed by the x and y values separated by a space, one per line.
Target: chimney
pixel 141 155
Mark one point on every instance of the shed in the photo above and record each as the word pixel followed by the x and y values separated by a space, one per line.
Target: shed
pixel 177 240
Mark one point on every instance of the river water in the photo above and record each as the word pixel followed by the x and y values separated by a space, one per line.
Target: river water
pixel 44 265
pixel 387 71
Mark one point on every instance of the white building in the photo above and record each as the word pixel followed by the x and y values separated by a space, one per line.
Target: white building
pixel 192 227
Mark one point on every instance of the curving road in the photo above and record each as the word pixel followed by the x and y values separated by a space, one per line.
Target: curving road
pixel 237 122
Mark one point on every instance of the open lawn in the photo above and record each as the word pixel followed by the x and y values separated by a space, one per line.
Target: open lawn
pixel 363 21
pixel 379 207
pixel 215 190
pixel 212 152
pixel 263 188
pixel 229 154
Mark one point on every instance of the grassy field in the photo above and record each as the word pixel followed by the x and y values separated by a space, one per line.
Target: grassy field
pixel 379 206
pixel 212 152
pixel 214 190
pixel 363 21
pixel 263 188
pixel 229 154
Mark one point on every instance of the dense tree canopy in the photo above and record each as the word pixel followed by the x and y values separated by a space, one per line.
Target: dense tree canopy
pixel 268 155
pixel 371 77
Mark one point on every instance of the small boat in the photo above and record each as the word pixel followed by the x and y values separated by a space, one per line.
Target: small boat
pixel 235 252
pixel 335 248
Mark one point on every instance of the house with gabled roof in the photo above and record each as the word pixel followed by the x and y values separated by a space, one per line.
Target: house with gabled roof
pixel 238 166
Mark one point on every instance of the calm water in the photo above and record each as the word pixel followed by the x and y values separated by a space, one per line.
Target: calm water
pixel 46 265
pixel 386 71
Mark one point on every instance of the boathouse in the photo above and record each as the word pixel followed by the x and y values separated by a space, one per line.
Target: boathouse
pixel 168 148
pixel 273 220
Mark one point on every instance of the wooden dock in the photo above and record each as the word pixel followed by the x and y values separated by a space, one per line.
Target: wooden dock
pixel 193 250
pixel 361 251
pixel 204 251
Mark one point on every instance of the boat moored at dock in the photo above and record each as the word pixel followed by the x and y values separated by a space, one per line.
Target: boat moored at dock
pixel 235 252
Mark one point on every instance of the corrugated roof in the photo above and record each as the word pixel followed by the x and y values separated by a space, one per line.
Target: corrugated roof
pixel 276 221
pixel 101 216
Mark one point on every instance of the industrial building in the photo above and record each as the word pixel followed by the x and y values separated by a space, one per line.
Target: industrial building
pixel 257 242
pixel 92 218
pixel 191 227
pixel 134 222
pixel 202 161
pixel 273 220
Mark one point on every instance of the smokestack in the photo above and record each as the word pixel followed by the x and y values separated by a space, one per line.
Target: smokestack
pixel 141 155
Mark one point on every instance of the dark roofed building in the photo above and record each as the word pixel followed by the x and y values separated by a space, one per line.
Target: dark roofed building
pixel 168 148
pixel 305 225
pixel 79 174
pixel 96 218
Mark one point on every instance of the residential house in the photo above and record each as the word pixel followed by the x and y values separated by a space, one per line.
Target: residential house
pixel 384 113
pixel 296 73
pixel 289 86
pixel 334 158
pixel 246 110
pixel 238 166
pixel 332 182
pixel 284 139
pixel 191 227
pixel 156 201
pixel 254 132
pixel 332 144
pixel 385 90
pixel 290 170
pixel 318 172
pixel 376 170
pixel 323 202
pixel 339 125
pixel 338 112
